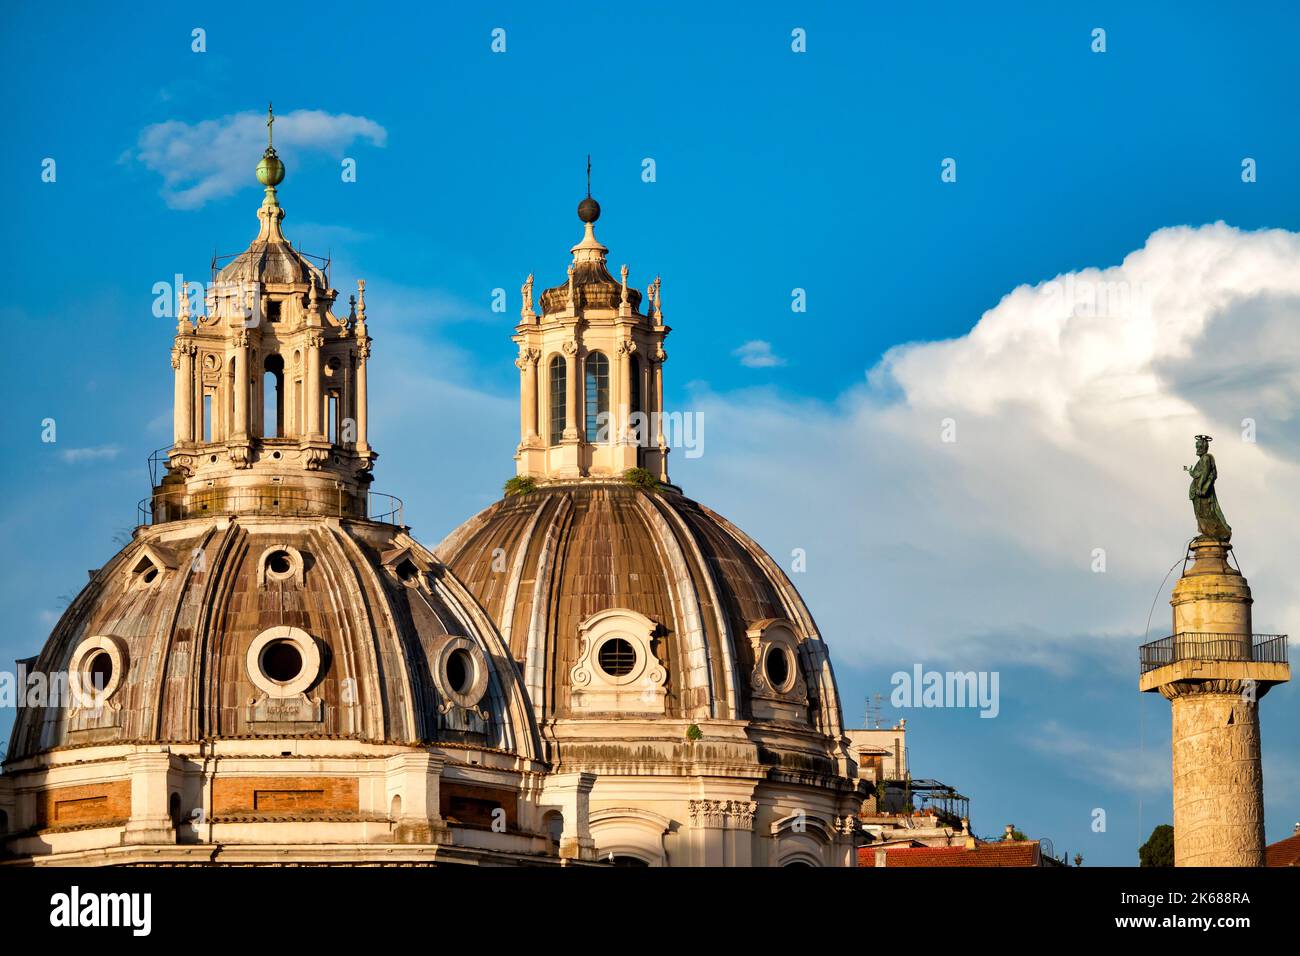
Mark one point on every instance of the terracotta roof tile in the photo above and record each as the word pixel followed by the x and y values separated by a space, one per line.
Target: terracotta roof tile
pixel 1008 853
pixel 1284 852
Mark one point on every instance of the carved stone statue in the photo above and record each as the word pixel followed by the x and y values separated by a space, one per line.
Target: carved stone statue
pixel 1209 517
pixel 526 290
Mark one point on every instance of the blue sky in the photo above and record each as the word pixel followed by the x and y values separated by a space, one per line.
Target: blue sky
pixel 774 171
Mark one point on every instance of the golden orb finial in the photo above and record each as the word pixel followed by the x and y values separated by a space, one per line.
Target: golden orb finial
pixel 270 171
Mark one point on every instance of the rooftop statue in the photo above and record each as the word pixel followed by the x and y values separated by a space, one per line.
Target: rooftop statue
pixel 1209 517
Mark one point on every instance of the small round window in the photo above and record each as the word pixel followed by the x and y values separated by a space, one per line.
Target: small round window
pixel 616 657
pixel 777 666
pixel 281 661
pixel 279 563
pixel 460 670
pixel 100 670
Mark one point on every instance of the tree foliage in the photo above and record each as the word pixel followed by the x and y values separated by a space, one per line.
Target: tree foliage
pixel 1159 848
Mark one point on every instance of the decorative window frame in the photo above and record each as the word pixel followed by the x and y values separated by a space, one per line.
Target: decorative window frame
pixel 308 649
pixel 630 831
pixel 640 691
pixel 392 561
pixel 88 699
pixel 477 690
pixel 149 557
pixel 789 701
pixel 297 567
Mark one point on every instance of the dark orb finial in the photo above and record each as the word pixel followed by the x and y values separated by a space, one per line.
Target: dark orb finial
pixel 589 209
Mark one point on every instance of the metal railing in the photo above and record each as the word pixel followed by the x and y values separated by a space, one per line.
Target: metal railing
pixel 290 502
pixel 158 459
pixel 1210 646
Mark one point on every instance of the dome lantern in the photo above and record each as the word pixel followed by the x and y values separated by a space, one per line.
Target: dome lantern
pixel 591 379
pixel 270 409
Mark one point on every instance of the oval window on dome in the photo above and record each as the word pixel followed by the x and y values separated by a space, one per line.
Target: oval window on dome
pixel 281 661
pixel 100 669
pixel 96 671
pixel 284 661
pixel 460 670
pixel 777 667
pixel 616 657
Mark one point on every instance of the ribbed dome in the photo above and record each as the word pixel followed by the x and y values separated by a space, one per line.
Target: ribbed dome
pixel 594 288
pixel 271 257
pixel 181 606
pixel 271 261
pixel 545 562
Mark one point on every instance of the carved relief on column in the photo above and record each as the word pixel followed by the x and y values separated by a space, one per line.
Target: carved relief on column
pixel 1217 773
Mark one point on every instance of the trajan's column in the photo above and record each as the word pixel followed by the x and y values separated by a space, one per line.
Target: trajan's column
pixel 1214 671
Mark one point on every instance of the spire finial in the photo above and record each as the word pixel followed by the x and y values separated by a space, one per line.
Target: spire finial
pixel 589 209
pixel 270 171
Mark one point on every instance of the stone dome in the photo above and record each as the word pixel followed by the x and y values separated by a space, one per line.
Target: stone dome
pixel 594 288
pixel 274 261
pixel 272 627
pixel 544 564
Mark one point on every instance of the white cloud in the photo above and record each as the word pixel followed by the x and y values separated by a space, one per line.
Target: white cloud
pixel 757 353
pixel 1094 759
pixel 76 456
pixel 214 158
pixel 1073 420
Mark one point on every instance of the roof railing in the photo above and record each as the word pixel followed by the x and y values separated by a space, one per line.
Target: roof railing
pixel 180 505
pixel 1213 646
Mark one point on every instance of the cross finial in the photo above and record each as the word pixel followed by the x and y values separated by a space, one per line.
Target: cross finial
pixel 589 175
pixel 270 121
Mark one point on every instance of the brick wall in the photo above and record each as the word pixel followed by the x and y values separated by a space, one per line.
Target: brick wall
pixel 284 794
pixel 77 806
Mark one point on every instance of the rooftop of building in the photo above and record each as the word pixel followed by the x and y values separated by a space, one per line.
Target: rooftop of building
pixel 1012 853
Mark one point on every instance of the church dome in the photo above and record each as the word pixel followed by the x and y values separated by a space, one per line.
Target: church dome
pixel 722 623
pixel 271 261
pixel 268 627
pixel 594 288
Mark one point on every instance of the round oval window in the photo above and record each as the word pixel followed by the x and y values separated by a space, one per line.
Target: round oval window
pixel 617 657
pixel 460 670
pixel 778 666
pixel 100 669
pixel 278 562
pixel 281 661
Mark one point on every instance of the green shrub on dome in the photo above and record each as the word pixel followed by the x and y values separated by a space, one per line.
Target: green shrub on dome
pixel 642 478
pixel 519 485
